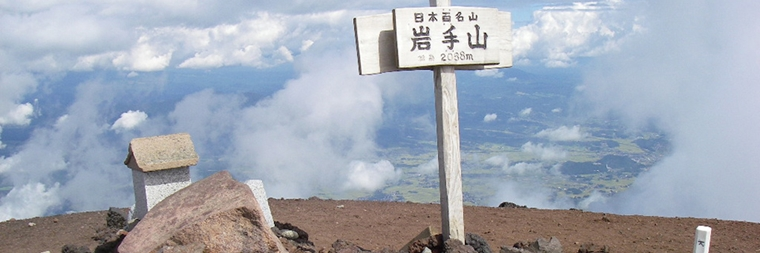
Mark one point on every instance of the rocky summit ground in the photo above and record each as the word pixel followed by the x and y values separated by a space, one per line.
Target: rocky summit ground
pixel 377 225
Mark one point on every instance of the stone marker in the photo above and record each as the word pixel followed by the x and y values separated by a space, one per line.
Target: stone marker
pixel 702 239
pixel 160 166
pixel 257 187
pixel 218 212
pixel 424 234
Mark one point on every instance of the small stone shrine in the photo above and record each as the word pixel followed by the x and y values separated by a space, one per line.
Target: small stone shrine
pixel 160 166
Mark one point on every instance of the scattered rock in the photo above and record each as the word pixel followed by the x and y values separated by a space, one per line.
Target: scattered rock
pixel 297 241
pixel 31 224
pixel 541 245
pixel 341 246
pixel 511 205
pixel 68 248
pixel 593 248
pixel 432 243
pixel 477 242
pixel 116 218
pixel 302 236
pixel 108 239
pixel 289 234
pixel 424 234
pixel 456 246
pixel 218 212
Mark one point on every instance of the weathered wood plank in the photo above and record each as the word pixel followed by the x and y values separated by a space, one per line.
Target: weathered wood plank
pixel 375 44
pixel 449 156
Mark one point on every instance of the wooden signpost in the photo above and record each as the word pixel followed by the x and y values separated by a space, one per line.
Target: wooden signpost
pixel 442 38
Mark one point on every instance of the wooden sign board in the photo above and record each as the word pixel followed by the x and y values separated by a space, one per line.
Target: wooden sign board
pixel 436 36
pixel 376 44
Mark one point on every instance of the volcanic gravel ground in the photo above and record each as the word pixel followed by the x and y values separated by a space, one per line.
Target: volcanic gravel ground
pixel 377 225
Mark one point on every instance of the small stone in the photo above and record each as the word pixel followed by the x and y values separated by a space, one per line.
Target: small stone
pixel 477 242
pixel 340 206
pixel 55 220
pixel 289 234
pixel 116 218
pixel 32 224
pixel 69 248
pixel 456 246
pixel 593 248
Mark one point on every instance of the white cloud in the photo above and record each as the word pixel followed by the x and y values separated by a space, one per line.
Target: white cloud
pixel 370 176
pixel 557 110
pixel 532 194
pixel 35 198
pixel 129 120
pixel 545 153
pixel 495 73
pixel 526 112
pixel 75 147
pixel 563 133
pixel 704 106
pixel 300 138
pixel 13 87
pixel 498 161
pixel 306 44
pixel 523 168
pixel 489 117
pixel 21 115
pixel 428 167
pixel 143 57
pixel 561 33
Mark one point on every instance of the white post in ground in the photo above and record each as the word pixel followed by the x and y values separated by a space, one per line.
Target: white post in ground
pixel 702 239
pixel 442 38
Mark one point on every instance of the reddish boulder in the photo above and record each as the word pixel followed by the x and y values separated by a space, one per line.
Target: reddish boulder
pixel 217 212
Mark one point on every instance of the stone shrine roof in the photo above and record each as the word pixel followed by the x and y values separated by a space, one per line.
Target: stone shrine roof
pixel 161 153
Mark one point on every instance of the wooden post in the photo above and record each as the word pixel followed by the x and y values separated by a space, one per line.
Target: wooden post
pixel 449 156
pixel 404 41
pixel 449 162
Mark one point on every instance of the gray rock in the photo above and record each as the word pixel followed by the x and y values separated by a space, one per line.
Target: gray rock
pixel 341 246
pixel 116 218
pixel 593 248
pixel 549 246
pixel 477 242
pixel 289 234
pixel 68 248
pixel 541 245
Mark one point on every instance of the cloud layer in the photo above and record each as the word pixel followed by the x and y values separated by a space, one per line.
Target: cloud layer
pixel 691 75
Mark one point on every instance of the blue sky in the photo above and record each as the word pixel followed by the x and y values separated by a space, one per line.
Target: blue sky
pixel 81 74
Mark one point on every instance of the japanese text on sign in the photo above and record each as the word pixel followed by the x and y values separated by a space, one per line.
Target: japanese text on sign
pixel 446 36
